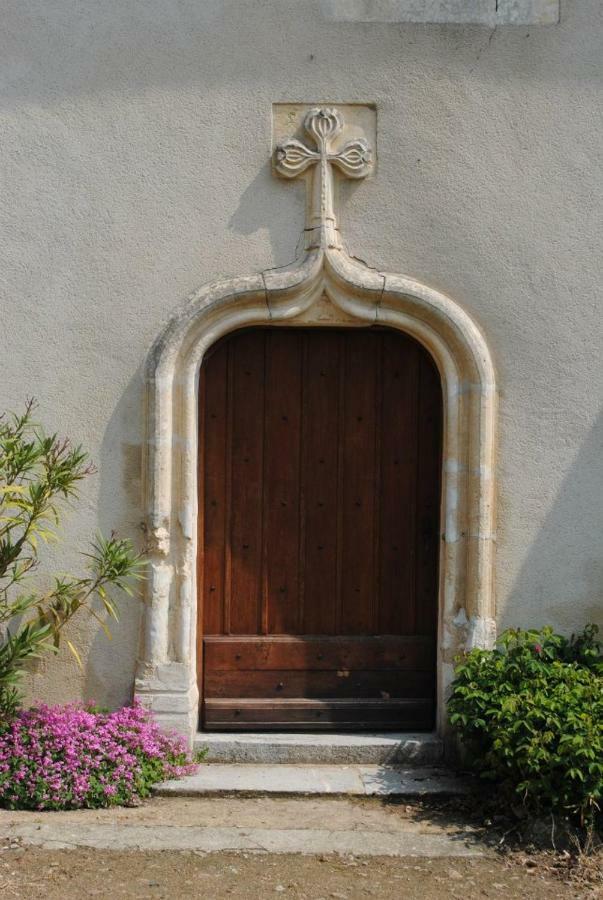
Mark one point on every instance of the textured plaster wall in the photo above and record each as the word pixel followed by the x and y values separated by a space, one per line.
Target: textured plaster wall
pixel 135 139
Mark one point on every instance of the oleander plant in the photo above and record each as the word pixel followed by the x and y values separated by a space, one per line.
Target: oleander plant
pixel 39 473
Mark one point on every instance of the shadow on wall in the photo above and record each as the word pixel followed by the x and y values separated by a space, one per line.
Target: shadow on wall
pixel 574 523
pixel 261 208
pixel 110 665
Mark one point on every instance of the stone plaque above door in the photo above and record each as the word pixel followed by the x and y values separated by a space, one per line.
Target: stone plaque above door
pixel 359 122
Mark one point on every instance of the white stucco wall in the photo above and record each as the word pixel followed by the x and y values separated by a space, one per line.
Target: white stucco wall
pixel 135 142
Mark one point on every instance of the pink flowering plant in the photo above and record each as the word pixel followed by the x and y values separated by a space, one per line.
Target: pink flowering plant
pixel 73 757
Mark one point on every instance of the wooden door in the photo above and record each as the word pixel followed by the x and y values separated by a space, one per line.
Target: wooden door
pixel 319 479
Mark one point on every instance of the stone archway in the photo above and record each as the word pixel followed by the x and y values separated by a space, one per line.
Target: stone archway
pixel 324 287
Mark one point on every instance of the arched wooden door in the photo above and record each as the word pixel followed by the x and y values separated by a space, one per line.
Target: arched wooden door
pixel 319 480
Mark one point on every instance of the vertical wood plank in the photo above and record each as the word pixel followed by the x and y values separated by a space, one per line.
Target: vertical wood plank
pixel 319 482
pixel 375 624
pixel 212 481
pixel 358 500
pixel 340 475
pixel 400 382
pixel 247 448
pixel 429 439
pixel 228 350
pixel 301 537
pixel 200 568
pixel 281 482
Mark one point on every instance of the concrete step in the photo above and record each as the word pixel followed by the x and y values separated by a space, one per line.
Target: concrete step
pixel 291 780
pixel 320 749
pixel 57 834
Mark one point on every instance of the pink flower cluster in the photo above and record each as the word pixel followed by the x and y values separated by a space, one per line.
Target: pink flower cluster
pixel 68 757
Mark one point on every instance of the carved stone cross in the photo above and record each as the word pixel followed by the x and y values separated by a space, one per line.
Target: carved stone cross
pixel 294 157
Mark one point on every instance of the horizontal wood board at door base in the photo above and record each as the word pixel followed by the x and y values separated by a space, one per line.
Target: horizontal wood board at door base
pixel 319 481
pixel 325 683
pixel 309 653
pixel 311 715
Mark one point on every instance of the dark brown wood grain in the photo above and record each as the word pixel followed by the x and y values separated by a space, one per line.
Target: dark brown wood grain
pixel 320 453
pixel 310 653
pixel 281 485
pixel 428 499
pixel 245 458
pixel 322 684
pixel 319 499
pixel 359 584
pixel 212 481
pixel 399 461
pixel 315 715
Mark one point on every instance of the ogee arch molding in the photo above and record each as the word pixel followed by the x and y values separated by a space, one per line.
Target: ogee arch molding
pixel 324 288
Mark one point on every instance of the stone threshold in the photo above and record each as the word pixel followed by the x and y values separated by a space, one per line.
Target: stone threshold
pixel 58 835
pixel 294 780
pixel 318 749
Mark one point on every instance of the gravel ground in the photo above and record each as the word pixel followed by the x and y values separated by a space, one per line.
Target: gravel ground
pixel 54 875
pixel 28 871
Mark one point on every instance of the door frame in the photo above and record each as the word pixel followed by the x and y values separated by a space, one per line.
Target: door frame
pixel 229 626
pixel 325 288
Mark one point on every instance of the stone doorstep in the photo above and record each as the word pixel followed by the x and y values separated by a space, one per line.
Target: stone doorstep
pixel 336 749
pixel 291 780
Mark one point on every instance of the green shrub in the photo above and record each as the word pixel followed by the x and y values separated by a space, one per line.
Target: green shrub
pixel 530 713
pixel 37 472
